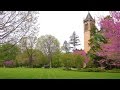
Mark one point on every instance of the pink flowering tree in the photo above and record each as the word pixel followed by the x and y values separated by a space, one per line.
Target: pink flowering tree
pixel 111 30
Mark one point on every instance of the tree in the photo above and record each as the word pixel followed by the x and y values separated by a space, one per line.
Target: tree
pixel 84 59
pixel 111 30
pixel 16 24
pixel 96 39
pixel 72 60
pixel 56 60
pixel 67 60
pixel 22 59
pixel 28 45
pixel 74 40
pixel 78 61
pixel 66 47
pixel 48 45
pixel 10 54
pixel 39 59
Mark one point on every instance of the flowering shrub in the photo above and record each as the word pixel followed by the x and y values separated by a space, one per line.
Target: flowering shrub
pixel 8 63
pixel 82 53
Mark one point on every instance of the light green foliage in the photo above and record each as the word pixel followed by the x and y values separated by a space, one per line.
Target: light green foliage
pixel 70 60
pixel 67 60
pixel 78 61
pixel 56 61
pixel 38 59
pixel 48 45
pixel 22 59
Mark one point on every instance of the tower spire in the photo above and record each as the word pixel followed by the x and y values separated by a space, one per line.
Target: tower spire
pixel 88 23
pixel 89 17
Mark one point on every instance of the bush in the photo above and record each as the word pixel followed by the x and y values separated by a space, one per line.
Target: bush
pixel 92 70
pixel 67 69
pixel 8 63
pixel 46 66
pixel 56 61
pixel 38 59
pixel 37 66
pixel 70 60
pixel 114 71
pixel 78 61
pixel 67 60
pixel 90 64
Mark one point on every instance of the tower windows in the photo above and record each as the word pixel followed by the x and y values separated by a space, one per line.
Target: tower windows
pixel 86 26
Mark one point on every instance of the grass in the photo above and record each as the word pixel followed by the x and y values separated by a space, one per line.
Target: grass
pixel 41 73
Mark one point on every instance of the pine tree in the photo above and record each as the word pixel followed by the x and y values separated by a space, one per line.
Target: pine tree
pixel 74 40
pixel 66 46
pixel 96 39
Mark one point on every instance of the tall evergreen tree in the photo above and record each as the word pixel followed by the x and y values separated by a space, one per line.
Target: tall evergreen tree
pixel 96 39
pixel 74 40
pixel 66 47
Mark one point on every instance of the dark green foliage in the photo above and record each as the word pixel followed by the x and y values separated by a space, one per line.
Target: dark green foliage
pixel 92 70
pixel 8 52
pixel 96 39
pixel 39 59
pixel 90 64
pixel 78 61
pixel 9 63
pixel 114 71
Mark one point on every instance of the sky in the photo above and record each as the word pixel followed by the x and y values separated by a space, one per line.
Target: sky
pixel 62 24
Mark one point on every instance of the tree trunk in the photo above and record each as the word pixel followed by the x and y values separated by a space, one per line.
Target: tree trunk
pixel 30 60
pixel 84 65
pixel 50 62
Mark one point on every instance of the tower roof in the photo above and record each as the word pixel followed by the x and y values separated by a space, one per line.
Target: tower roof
pixel 89 17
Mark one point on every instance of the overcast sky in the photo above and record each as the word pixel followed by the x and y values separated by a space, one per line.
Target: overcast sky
pixel 62 24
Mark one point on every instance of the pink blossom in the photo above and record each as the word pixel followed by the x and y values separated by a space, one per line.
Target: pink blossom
pixel 111 30
pixel 82 52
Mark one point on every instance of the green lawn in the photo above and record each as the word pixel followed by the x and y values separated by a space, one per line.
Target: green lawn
pixel 40 73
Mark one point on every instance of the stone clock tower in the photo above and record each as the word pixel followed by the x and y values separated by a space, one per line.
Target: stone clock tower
pixel 88 23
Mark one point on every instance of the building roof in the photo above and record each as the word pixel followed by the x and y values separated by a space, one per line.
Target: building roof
pixel 89 17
